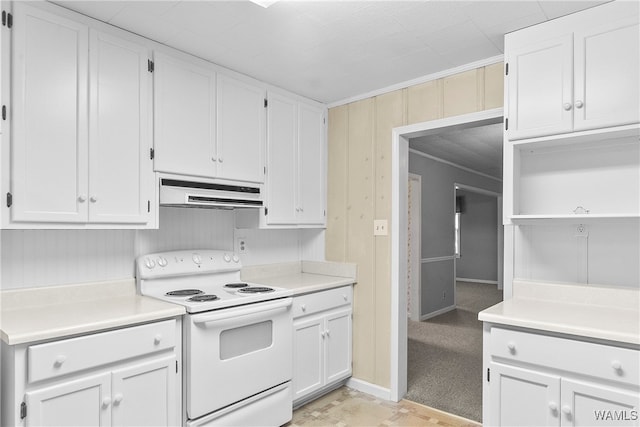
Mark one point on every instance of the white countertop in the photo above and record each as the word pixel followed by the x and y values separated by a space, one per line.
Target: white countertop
pixel 572 312
pixel 302 277
pixel 36 314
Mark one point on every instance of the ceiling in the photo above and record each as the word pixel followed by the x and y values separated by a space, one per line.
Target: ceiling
pixel 476 148
pixel 330 50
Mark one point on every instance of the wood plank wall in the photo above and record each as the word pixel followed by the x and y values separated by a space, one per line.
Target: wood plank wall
pixel 359 191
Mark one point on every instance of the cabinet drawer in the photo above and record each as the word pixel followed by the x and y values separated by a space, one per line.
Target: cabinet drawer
pixel 62 357
pixel 320 301
pixel 596 360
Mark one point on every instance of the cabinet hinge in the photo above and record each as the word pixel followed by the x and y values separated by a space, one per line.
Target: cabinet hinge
pixel 265 170
pixel 266 103
pixel 176 366
pixel 150 66
pixel 148 205
pixel 266 211
pixel 9 200
pixel 7 19
pixel 324 120
pixel 506 124
pixel 152 153
pixel 23 410
pixel 4 112
pixel 506 69
pixel 488 374
pixel 324 212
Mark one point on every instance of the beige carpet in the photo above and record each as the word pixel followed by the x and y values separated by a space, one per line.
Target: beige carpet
pixel 445 354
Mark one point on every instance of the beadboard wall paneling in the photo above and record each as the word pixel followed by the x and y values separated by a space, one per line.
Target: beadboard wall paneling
pixel 312 244
pixel 53 257
pixel 188 228
pixel 266 246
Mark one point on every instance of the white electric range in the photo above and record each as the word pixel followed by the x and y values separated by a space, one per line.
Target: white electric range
pixel 237 337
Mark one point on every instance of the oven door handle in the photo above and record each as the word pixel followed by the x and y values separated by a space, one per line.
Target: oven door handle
pixel 247 310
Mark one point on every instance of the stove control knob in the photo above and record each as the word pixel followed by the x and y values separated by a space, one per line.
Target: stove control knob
pixel 162 262
pixel 226 258
pixel 235 258
pixel 149 263
pixel 196 259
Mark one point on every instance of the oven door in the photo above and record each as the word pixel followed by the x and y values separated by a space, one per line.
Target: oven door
pixel 234 353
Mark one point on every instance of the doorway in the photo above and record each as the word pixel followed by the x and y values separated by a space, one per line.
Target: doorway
pixel 399 224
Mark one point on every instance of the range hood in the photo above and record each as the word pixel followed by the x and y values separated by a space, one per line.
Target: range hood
pixel 193 194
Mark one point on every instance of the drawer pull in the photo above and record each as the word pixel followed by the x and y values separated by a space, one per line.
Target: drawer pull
pixel 344 296
pixel 566 409
pixel 553 406
pixel 512 347
pixel 117 398
pixel 106 402
pixel 616 365
pixel 157 339
pixel 59 361
pixel 303 307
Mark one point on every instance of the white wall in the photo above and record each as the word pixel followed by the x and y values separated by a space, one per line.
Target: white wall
pixel 478 238
pixel 438 205
pixel 32 258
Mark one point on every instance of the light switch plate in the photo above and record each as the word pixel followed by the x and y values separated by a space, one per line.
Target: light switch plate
pixel 380 227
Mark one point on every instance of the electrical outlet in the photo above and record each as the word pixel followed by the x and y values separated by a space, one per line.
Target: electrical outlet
pixel 380 227
pixel 241 245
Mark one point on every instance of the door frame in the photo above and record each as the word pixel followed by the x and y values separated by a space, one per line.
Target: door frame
pixel 416 294
pixel 399 212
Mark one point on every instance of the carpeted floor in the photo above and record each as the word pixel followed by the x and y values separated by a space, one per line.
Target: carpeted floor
pixel 445 354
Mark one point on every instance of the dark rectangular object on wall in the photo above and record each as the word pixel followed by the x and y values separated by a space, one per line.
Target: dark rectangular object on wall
pixel 460 204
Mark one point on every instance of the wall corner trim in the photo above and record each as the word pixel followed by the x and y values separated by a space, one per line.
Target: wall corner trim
pixel 369 388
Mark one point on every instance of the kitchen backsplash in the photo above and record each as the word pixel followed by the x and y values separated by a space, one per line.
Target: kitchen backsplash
pixel 51 257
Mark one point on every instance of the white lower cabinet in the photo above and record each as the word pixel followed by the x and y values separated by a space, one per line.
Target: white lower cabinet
pixel 539 380
pixel 322 336
pixel 125 377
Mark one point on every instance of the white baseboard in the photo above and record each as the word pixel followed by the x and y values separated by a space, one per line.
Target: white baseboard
pixel 488 282
pixel 437 312
pixel 367 387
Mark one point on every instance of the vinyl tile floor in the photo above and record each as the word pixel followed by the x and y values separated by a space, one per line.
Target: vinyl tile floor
pixel 345 407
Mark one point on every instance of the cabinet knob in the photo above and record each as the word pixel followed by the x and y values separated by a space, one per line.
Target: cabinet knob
pixel 213 159
pixel 297 209
pixel 567 106
pixel 106 402
pixel 327 332
pixel 579 104
pixel 157 339
pixel 512 347
pixel 220 159
pixel 59 360
pixel 553 406
pixel 301 210
pixel 93 199
pixel 617 365
pixel 566 409
pixel 82 198
pixel 303 307
pixel 344 296
pixel 322 334
pixel 117 398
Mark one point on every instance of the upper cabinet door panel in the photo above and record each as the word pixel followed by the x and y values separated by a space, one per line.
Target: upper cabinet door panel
pixel 311 154
pixel 184 117
pixel 119 163
pixel 607 75
pixel 241 130
pixel 540 88
pixel 281 160
pixel 49 135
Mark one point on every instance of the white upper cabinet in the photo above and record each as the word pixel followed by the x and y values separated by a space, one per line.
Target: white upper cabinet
pixel 240 130
pixel 575 73
pixel 49 147
pixel 80 134
pixel 296 171
pixel 185 105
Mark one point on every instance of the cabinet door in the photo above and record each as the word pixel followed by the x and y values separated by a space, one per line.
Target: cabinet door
pixel 241 130
pixel 338 345
pixel 540 82
pixel 145 394
pixel 585 404
pixel 308 356
pixel 184 117
pixel 281 160
pixel 49 134
pixel 84 402
pixel 120 173
pixel 522 397
pixel 607 66
pixel 311 165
